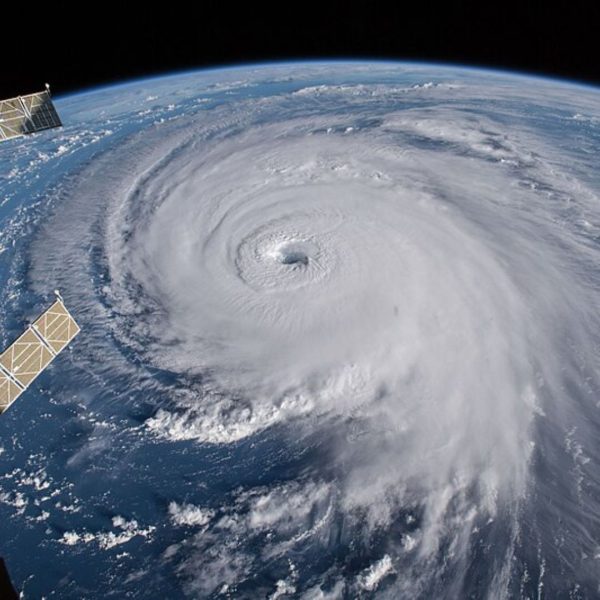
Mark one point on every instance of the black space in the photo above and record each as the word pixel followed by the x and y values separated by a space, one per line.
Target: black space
pixel 74 48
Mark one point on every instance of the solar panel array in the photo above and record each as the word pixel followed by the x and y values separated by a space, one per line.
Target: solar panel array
pixel 33 351
pixel 27 114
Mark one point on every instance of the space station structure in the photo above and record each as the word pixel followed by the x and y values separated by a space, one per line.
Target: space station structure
pixel 27 114
pixel 34 350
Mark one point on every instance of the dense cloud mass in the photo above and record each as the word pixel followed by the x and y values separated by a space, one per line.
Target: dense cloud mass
pixel 373 289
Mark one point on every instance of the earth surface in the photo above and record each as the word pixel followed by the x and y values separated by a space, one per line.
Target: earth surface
pixel 340 337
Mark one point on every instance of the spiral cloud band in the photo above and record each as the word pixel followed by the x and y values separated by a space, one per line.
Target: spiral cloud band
pixel 397 283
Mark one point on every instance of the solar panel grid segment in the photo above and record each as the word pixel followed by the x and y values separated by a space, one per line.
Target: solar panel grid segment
pixel 56 326
pixel 9 391
pixel 9 109
pixel 34 350
pixel 12 119
pixel 27 114
pixel 42 111
pixel 26 358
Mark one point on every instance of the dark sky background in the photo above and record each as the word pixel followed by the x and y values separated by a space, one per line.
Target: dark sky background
pixel 98 43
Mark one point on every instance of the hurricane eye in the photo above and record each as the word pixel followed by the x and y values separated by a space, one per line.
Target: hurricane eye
pixel 293 257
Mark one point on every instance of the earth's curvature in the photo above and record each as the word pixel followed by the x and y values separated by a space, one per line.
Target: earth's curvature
pixel 340 337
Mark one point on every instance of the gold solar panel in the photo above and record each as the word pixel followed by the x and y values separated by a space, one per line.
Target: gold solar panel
pixel 34 350
pixel 27 114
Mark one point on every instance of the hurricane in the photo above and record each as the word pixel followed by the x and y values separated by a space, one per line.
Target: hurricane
pixel 340 337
